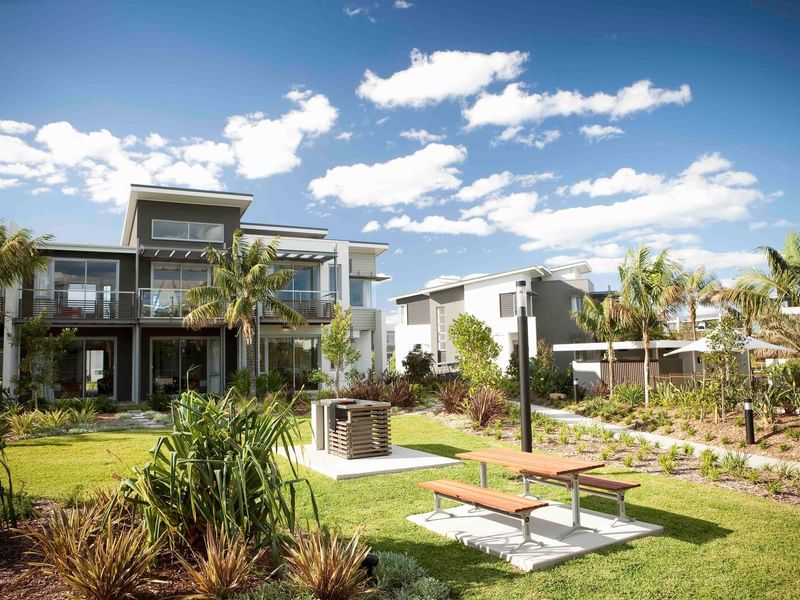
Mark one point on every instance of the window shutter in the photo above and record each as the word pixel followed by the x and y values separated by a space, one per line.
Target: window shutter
pixel 507 302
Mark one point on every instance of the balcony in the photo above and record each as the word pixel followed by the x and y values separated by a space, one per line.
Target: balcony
pixel 80 304
pixel 314 305
pixel 163 303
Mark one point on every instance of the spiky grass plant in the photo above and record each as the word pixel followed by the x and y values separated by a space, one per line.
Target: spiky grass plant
pixel 222 570
pixel 485 406
pixel 54 419
pixel 321 563
pixel 23 424
pixel 97 560
pixel 452 395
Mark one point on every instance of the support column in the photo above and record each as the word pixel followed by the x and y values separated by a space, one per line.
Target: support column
pixel 136 365
pixel 10 352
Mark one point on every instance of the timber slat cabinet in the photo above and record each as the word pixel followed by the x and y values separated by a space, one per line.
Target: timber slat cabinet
pixel 360 430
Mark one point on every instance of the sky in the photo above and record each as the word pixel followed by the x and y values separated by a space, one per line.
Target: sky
pixel 472 137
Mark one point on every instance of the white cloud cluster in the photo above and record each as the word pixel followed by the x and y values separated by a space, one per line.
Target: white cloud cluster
pixel 440 76
pixel 596 133
pixel 515 106
pixel 370 226
pixel 625 180
pixel 447 279
pixel 495 182
pixel 402 4
pixel 531 138
pixel 422 136
pixel 103 166
pixel 441 225
pixel 403 180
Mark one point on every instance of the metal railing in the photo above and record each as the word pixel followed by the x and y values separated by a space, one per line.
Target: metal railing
pixel 87 304
pixel 163 303
pixel 312 304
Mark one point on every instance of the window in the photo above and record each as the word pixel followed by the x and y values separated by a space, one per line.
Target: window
pixel 179 364
pixel 360 293
pixel 508 304
pixel 295 358
pixel 187 231
pixel 86 369
pixel 335 278
pixel 403 314
pixel 79 286
pixel 441 335
pixel 576 303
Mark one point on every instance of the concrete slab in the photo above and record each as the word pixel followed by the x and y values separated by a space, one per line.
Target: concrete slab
pixel 401 459
pixel 499 535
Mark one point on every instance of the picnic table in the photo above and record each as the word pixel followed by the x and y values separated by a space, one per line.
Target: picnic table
pixel 540 465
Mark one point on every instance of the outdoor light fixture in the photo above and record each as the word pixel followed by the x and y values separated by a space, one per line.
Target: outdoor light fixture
pixel 524 366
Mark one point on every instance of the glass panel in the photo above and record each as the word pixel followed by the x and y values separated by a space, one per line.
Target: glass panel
pixel 174 230
pixel 68 273
pixel 68 382
pixel 194 366
pixel 207 232
pixel 306 359
pixel 356 292
pixel 214 365
pixel 98 368
pixel 279 352
pixel 165 300
pixel 193 276
pixel 101 273
pixel 166 277
pixel 166 369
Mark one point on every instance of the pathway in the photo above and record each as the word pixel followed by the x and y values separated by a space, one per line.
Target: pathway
pixel 142 421
pixel 562 416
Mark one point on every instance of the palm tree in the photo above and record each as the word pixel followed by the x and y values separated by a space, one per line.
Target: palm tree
pixel 242 278
pixel 782 280
pixel 698 288
pixel 19 255
pixel 605 322
pixel 651 289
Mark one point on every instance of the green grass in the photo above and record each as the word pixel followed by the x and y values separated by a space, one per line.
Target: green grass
pixel 717 543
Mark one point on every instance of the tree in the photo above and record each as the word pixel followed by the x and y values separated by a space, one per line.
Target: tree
pixel 19 255
pixel 337 345
pixel 241 279
pixel 698 288
pixel 651 289
pixel 605 322
pixel 476 350
pixel 40 350
pixel 725 342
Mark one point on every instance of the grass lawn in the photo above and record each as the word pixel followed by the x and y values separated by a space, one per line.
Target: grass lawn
pixel 716 544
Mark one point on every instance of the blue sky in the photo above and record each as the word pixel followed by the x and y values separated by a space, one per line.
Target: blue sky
pixel 584 127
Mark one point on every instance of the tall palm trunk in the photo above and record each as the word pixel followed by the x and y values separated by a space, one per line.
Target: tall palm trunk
pixel 646 343
pixel 693 319
pixel 611 360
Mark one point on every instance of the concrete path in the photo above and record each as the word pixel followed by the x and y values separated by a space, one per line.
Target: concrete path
pixel 142 421
pixel 562 416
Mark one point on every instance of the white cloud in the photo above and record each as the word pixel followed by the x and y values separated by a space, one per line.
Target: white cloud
pixel 514 106
pixel 403 180
pixel 758 225
pixel 15 150
pixel 40 190
pixel 265 146
pixel 624 180
pixel 447 279
pixel 155 141
pixel 345 136
pixel 441 251
pixel 212 153
pixel 784 223
pixel 371 226
pixel 69 191
pixel 441 225
pixel 16 127
pixel 8 183
pixel 485 186
pixel 402 4
pixel 440 76
pixel 534 178
pixel 421 136
pixel 398 251
pixel 596 133
pixel 690 199
pixel 55 179
pixel 532 138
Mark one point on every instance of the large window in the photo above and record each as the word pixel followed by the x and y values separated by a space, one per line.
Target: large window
pixel 441 335
pixel 360 292
pixel 188 231
pixel 168 280
pixel 82 287
pixel 293 357
pixel 191 363
pixel 86 369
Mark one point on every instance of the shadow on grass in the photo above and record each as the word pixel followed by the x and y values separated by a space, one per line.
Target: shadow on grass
pixel 438 449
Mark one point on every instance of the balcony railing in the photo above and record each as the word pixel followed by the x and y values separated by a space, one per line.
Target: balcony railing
pixel 163 304
pixel 314 305
pixel 86 304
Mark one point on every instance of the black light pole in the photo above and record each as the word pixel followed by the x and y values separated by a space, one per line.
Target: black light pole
pixel 748 422
pixel 524 367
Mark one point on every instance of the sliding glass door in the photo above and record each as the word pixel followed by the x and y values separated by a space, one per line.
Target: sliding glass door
pixel 191 363
pixel 294 357
pixel 86 369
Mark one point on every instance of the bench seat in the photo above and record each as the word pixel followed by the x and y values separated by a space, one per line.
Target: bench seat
pixel 480 497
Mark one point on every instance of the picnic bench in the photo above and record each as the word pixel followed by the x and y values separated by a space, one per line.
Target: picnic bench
pixel 481 497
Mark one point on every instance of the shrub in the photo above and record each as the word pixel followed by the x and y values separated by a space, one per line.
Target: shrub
pixel 96 561
pixel 600 389
pixel 628 460
pixel 54 419
pixel 219 466
pixel 223 569
pixel 365 389
pixel 667 462
pixel 630 394
pixel 476 351
pixel 401 394
pixel 396 570
pixel 83 416
pixel 240 382
pixel 485 406
pixel 322 564
pixel 546 377
pixel 273 591
pixel 734 462
pixel 452 395
pixel 159 401
pixel 426 588
pixel 24 424
pixel 418 366
pixel 104 404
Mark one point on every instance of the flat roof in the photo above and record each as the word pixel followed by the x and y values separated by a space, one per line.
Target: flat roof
pixel 89 248
pixel 294 230
pixel 623 345
pixel 157 193
pixel 581 266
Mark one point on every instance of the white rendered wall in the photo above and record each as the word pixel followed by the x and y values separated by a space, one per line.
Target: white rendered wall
pixel 406 336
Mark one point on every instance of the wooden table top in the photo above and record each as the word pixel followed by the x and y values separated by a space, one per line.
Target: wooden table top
pixel 542 464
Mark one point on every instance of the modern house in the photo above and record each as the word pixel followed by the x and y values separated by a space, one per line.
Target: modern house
pixel 128 301
pixel 426 314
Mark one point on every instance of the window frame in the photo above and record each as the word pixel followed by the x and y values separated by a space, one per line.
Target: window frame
pixel 188 237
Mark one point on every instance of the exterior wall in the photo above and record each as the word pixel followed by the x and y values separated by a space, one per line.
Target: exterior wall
pixel 453 302
pixel 406 336
pixel 551 307
pixel 361 263
pixel 147 210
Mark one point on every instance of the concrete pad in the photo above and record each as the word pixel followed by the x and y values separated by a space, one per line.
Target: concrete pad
pixel 337 468
pixel 499 535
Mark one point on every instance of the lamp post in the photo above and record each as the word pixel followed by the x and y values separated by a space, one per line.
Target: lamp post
pixel 524 367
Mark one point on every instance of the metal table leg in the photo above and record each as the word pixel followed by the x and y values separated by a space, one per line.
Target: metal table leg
pixel 484 475
pixel 576 508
